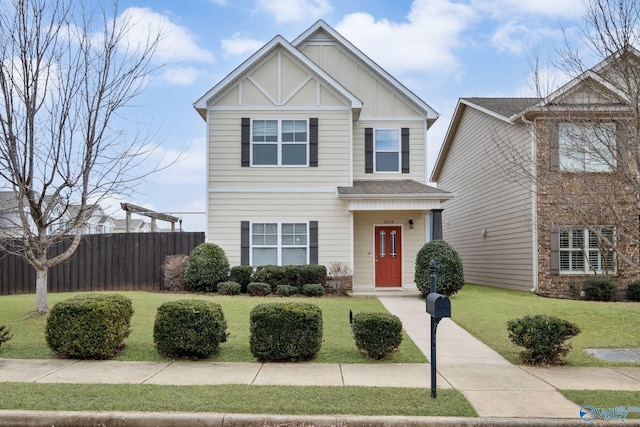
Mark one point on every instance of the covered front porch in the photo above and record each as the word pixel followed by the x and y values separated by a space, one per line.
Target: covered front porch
pixel 391 221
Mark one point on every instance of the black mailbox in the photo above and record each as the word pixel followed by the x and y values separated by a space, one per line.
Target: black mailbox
pixel 438 305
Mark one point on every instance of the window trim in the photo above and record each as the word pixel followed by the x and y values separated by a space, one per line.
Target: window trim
pixel 398 151
pixel 586 156
pixel 279 143
pixel 279 246
pixel 585 249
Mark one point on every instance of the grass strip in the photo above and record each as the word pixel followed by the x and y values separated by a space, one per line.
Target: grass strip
pixel 484 311
pixel 606 399
pixel 242 399
pixel 338 345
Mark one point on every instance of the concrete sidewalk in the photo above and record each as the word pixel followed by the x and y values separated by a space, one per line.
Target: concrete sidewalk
pixel 493 386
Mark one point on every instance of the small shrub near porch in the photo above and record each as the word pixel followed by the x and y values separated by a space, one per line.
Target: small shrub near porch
pixel 449 273
pixel 377 334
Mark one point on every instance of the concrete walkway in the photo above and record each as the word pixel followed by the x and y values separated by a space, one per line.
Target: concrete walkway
pixel 493 386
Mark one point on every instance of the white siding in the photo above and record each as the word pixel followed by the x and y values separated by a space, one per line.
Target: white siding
pixel 488 200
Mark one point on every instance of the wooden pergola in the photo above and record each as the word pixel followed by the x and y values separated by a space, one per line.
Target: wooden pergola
pixel 129 209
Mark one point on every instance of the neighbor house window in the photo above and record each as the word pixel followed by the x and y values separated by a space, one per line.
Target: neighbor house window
pixel 581 251
pixel 279 244
pixel 586 146
pixel 387 150
pixel 279 143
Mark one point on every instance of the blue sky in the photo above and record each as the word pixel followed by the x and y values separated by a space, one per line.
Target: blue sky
pixel 440 49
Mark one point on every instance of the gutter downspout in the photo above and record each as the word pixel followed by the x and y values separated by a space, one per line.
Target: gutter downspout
pixel 534 203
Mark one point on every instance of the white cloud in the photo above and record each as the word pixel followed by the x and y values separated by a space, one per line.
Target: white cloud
pixel 517 37
pixel 237 45
pixel 182 166
pixel 548 8
pixel 177 43
pixel 181 76
pixel 424 42
pixel 285 11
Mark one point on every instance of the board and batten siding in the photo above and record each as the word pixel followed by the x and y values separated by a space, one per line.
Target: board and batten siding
pixel 228 209
pixel 488 200
pixel 224 151
pixel 364 245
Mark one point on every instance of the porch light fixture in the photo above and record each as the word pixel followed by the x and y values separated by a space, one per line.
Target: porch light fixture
pixel 410 222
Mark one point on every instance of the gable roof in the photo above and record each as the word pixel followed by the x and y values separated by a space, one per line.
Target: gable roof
pixel 322 30
pixel 277 42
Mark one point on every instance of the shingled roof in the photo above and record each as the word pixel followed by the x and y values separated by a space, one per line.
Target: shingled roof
pixel 387 188
pixel 505 107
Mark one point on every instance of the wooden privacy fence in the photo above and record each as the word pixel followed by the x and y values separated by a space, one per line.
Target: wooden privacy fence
pixel 102 262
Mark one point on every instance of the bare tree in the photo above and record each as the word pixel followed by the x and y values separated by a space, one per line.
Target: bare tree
pixel 67 71
pixel 594 133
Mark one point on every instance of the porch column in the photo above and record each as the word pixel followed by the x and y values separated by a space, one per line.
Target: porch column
pixel 436 224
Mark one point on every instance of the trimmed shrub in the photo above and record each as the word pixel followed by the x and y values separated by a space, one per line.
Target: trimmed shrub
pixel 633 291
pixel 313 290
pixel 229 288
pixel 377 334
pixel 286 290
pixel 292 275
pixel 449 273
pixel 189 328
pixel 258 289
pixel 289 331
pixel 5 334
pixel 173 269
pixel 207 266
pixel 270 274
pixel 89 326
pixel 599 288
pixel 241 274
pixel 543 337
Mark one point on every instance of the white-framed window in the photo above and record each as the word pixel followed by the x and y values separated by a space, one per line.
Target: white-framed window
pixel 386 150
pixel 279 244
pixel 586 146
pixel 581 251
pixel 280 143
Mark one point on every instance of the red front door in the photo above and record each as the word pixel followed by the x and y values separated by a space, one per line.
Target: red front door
pixel 388 256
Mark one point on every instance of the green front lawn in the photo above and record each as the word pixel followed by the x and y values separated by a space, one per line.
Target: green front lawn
pixel 484 311
pixel 245 399
pixel 338 345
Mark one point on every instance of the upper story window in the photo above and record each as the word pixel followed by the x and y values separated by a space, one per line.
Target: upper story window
pixel 279 143
pixel 387 150
pixel 586 146
pixel 582 252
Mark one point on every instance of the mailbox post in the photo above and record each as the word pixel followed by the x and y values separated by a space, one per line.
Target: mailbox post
pixel 438 306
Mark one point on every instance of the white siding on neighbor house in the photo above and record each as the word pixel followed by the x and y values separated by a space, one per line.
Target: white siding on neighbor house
pixel 487 200
pixel 364 250
pixel 417 153
pixel 227 210
pixel 224 151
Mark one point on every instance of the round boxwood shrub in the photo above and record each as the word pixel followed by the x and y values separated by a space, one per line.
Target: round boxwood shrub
pixel 89 326
pixel 189 328
pixel 633 291
pixel 207 266
pixel 599 288
pixel 313 290
pixel 449 273
pixel 289 331
pixel 229 288
pixel 258 289
pixel 377 334
pixel 241 274
pixel 286 290
pixel 543 337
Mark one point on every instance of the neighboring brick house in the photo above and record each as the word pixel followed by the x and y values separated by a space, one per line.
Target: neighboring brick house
pixel 317 155
pixel 529 213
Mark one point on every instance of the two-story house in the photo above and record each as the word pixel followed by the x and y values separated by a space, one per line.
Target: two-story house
pixel 98 222
pixel 317 155
pixel 544 187
pixel 10 218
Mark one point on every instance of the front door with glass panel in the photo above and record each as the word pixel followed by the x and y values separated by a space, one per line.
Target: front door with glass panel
pixel 388 257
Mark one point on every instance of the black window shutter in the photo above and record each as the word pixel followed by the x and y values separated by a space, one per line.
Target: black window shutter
pixel 368 150
pixel 554 147
pixel 622 145
pixel 313 242
pixel 405 149
pixel 554 254
pixel 313 142
pixel 244 242
pixel 246 142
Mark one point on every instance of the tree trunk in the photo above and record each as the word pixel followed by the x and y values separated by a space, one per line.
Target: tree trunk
pixel 42 306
